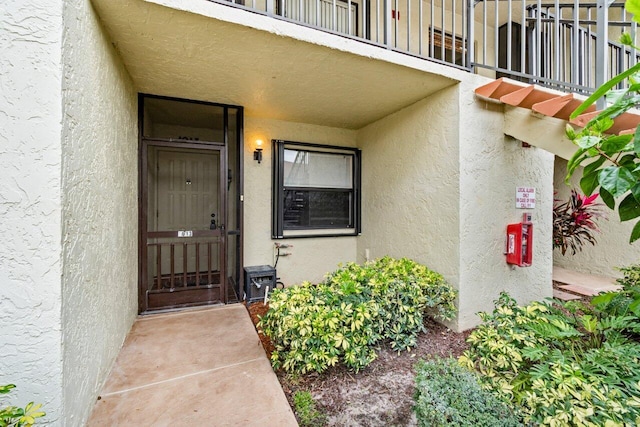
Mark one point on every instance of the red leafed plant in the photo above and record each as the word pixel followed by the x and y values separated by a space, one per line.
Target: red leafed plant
pixel 573 222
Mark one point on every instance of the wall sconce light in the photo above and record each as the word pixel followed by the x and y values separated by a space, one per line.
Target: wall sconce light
pixel 257 154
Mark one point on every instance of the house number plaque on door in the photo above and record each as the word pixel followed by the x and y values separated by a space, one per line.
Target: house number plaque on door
pixel 187 233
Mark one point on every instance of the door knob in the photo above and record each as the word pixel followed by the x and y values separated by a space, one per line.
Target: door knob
pixel 213 226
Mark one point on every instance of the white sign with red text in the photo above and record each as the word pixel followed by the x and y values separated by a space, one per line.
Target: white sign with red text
pixel 525 197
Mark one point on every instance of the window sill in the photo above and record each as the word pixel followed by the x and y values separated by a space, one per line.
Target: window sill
pixel 301 234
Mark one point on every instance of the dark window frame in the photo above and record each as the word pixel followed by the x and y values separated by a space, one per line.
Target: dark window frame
pixel 279 230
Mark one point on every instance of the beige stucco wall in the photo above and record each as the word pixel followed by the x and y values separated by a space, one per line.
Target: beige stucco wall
pixel 311 257
pixel 439 181
pixel 30 192
pixel 612 248
pixel 410 184
pixel 99 181
pixel 492 165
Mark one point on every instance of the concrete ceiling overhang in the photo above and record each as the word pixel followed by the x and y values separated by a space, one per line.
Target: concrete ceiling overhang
pixel 201 50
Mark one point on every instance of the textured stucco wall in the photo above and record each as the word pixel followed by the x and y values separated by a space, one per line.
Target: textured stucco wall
pixel 491 167
pixel 30 192
pixel 439 181
pixel 612 248
pixel 99 179
pixel 311 257
pixel 410 180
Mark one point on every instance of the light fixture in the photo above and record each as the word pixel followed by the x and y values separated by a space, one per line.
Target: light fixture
pixel 257 155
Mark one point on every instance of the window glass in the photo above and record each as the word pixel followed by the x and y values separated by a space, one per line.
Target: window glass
pixel 317 169
pixel 182 120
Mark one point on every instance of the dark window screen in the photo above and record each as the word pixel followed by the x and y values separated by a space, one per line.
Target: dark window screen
pixel 317 209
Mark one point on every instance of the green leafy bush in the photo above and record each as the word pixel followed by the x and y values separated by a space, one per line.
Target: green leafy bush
pixel 631 276
pixel 449 395
pixel 612 159
pixel 306 411
pixel 574 222
pixel 342 319
pixel 625 302
pixel 564 364
pixel 13 416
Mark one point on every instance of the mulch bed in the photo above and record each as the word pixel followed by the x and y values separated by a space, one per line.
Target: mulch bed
pixel 382 393
pixel 379 395
pixel 260 309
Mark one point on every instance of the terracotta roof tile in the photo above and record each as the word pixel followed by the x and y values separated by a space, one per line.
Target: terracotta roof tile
pixel 549 103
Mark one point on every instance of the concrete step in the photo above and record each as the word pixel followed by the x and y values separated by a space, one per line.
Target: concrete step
pixel 584 284
pixel 564 296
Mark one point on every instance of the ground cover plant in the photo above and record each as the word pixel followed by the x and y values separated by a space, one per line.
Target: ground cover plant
pixel 563 363
pixel 449 395
pixel 357 307
pixel 306 411
pixel 15 416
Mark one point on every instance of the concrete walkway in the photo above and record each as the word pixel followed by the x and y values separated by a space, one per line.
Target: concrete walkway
pixel 583 284
pixel 193 368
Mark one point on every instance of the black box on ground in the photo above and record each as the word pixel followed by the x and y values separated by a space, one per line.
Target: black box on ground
pixel 257 279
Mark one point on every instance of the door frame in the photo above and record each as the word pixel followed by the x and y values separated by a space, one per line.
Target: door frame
pixel 223 148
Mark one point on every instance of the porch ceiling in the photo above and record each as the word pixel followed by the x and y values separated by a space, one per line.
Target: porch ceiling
pixel 185 54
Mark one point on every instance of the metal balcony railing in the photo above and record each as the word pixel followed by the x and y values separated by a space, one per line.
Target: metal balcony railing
pixel 571 46
pixel 437 29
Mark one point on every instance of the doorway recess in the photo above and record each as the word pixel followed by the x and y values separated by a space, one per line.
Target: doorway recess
pixel 190 223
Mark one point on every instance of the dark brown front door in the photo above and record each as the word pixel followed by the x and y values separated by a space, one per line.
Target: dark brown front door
pixel 184 195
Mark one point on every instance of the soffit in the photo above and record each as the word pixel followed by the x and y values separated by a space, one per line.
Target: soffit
pixel 188 55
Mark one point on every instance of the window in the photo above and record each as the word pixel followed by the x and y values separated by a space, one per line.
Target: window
pixel 321 13
pixel 316 190
pixel 454 48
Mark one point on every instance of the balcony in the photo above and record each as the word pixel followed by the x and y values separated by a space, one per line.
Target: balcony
pixel 569 46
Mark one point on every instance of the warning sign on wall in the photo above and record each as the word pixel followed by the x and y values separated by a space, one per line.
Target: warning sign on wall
pixel 525 197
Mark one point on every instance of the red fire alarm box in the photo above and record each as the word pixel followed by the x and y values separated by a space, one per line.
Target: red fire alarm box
pixel 520 242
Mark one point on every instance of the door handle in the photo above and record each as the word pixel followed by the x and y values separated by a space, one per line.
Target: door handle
pixel 213 226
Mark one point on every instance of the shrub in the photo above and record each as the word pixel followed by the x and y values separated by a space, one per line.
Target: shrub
pixel 631 276
pixel 305 407
pixel 564 364
pixel 612 169
pixel 344 317
pixel 626 301
pixel 449 395
pixel 13 416
pixel 573 222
